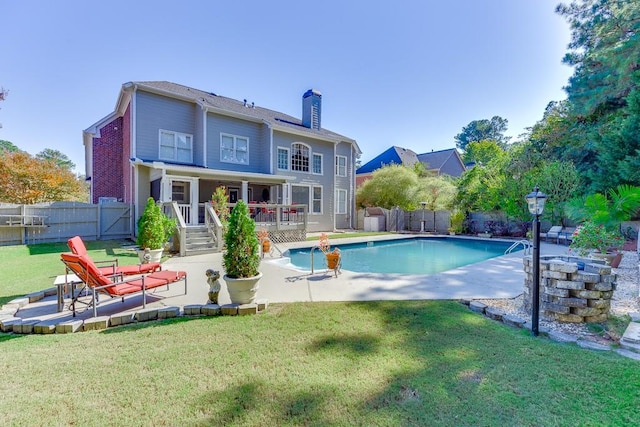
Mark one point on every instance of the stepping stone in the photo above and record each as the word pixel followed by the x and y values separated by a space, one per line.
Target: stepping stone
pixel 121 319
pixel 35 296
pixel 632 334
pixel 593 345
pixel 494 313
pixel 628 353
pixel 96 323
pixel 168 312
pixel 263 304
pixel 193 309
pixel 25 327
pixel 513 321
pixel 46 327
pixel 562 337
pixel 147 314
pixel 6 325
pixel 477 306
pixel 69 327
pixel 211 310
pixel 229 309
pixel 245 309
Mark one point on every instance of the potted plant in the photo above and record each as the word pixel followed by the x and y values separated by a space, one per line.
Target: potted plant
pixel 241 257
pixel 154 230
pixel 219 202
pixel 598 242
pixel 457 220
pixel 333 256
pixel 263 237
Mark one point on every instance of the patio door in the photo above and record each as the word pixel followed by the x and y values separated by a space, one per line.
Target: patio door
pixel 184 193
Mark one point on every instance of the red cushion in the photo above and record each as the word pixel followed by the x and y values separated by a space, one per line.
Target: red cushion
pixel 123 288
pixel 132 269
pixel 169 275
pixel 148 282
pixel 77 245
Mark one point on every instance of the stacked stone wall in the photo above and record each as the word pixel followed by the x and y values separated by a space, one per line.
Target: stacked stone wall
pixel 572 289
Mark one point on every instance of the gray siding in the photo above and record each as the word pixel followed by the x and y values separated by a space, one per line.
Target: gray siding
pixel 258 146
pixel 155 112
pixel 317 222
pixel 346 183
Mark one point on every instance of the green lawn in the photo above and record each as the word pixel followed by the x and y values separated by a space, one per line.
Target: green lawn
pixel 374 363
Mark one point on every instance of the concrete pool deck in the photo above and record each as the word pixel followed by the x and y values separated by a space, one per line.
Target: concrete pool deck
pixel 501 277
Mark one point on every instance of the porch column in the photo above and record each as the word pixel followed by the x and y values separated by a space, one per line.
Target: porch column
pixel 245 191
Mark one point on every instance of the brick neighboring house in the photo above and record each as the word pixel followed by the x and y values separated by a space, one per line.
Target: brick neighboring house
pixel 443 162
pixel 177 143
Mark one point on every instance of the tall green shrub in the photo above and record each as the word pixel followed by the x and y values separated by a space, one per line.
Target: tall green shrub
pixel 242 256
pixel 154 227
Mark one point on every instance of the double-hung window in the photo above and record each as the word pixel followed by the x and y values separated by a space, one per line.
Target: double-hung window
pixel 317 164
pixel 341 201
pixel 234 149
pixel 341 166
pixel 283 158
pixel 176 146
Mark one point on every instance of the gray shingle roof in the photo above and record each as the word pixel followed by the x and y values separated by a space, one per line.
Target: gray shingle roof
pixel 209 99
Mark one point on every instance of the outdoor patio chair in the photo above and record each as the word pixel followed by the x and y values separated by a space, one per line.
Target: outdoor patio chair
pixel 553 233
pixel 98 283
pixel 76 244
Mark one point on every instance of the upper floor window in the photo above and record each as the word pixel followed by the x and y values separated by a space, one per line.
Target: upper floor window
pixel 283 158
pixel 176 146
pixel 317 164
pixel 299 157
pixel 341 166
pixel 234 149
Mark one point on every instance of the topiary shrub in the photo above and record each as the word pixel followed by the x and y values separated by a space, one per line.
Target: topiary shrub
pixel 154 227
pixel 242 256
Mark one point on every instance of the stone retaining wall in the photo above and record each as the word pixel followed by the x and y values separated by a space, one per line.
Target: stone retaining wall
pixel 572 289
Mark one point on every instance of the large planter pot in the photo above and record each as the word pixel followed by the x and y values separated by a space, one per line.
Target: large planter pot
pixel 611 258
pixel 332 260
pixel 243 290
pixel 155 255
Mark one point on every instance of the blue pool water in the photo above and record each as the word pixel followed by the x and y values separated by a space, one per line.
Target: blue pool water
pixel 408 256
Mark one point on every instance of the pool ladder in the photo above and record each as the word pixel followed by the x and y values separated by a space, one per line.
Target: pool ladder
pixel 526 245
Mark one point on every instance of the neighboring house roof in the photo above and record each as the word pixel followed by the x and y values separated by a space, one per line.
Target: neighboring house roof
pixel 242 109
pixel 437 160
pixel 394 155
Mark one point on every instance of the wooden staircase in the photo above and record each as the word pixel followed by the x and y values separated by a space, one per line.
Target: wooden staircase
pixel 199 241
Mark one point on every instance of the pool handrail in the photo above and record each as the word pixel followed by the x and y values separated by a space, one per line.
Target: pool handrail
pixel 526 245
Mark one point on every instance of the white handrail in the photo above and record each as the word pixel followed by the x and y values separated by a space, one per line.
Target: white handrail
pixel 526 245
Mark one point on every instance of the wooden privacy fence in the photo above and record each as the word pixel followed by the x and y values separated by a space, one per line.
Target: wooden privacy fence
pixel 58 221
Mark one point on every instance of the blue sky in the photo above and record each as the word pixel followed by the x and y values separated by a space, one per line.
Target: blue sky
pixel 406 73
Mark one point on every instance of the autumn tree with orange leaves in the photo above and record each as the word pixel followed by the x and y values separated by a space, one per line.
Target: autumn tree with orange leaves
pixel 25 179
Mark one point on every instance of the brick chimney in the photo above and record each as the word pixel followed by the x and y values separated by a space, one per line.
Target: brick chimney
pixel 311 109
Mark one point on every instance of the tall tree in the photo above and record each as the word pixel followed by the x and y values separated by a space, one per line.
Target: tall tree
pixel 480 130
pixel 392 185
pixel 603 92
pixel 27 180
pixel 57 157
pixel 8 146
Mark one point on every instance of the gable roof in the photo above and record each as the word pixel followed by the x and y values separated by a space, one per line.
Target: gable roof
pixel 393 155
pixel 436 159
pixel 242 109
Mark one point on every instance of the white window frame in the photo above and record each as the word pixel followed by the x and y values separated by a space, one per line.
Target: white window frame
pixel 234 158
pixel 278 158
pixel 311 196
pixel 341 204
pixel 338 167
pixel 309 153
pixel 310 188
pixel 175 147
pixel 313 157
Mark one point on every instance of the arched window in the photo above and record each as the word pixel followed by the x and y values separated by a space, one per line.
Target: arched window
pixel 299 157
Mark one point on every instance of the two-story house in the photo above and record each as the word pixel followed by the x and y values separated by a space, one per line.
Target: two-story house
pixel 176 143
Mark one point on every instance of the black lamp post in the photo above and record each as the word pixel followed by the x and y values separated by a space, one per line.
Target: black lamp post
pixel 535 201
pixel 423 222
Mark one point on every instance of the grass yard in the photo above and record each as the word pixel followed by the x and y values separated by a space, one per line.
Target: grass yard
pixel 374 363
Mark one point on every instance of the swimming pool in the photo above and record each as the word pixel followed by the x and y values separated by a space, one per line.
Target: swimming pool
pixel 407 256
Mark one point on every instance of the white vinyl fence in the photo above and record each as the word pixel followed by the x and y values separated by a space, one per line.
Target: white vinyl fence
pixel 58 221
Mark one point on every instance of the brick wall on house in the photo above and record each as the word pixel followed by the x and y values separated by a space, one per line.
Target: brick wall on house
pixel 107 162
pixel 126 155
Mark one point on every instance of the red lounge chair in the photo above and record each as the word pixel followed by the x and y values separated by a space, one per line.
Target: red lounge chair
pixel 77 247
pixel 86 270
